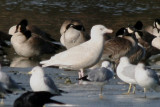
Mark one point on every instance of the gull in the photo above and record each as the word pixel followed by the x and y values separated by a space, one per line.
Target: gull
pixel 100 75
pixel 81 56
pixel 4 88
pixel 39 81
pixel 9 83
pixel 126 72
pixel 147 78
pixel 3 91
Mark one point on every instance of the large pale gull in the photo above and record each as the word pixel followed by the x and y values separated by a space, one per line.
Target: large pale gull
pixel 82 56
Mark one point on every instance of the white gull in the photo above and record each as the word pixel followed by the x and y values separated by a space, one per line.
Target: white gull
pixel 82 56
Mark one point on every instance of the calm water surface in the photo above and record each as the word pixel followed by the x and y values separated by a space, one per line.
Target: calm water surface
pixel 50 14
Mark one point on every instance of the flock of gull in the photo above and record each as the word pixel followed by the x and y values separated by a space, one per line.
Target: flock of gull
pixel 124 56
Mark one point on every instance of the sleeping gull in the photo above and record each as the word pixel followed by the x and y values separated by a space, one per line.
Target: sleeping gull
pixel 9 83
pixel 39 81
pixel 81 56
pixel 100 75
pixel 147 78
pixel 35 99
pixel 126 71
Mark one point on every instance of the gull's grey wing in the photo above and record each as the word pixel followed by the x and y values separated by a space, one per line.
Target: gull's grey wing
pixel 100 75
pixel 10 83
pixel 50 83
pixel 153 74
pixel 129 71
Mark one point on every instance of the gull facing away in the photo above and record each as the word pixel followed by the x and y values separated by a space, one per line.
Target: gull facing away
pixel 126 72
pixel 81 56
pixel 39 81
pixel 100 75
pixel 147 78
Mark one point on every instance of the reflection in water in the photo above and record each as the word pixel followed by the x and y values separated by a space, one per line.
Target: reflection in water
pixel 23 62
pixel 50 14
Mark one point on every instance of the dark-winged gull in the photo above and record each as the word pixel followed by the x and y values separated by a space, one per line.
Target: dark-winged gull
pixel 126 71
pixel 147 78
pixel 100 75
pixel 39 81
pixel 81 56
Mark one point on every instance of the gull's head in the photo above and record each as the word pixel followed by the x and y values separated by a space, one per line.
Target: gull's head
pixel 106 64
pixel 99 30
pixel 124 60
pixel 37 71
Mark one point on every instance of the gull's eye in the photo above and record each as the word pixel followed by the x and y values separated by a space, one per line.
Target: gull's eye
pixel 101 28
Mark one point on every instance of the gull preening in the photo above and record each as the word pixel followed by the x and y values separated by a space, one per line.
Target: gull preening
pixel 81 56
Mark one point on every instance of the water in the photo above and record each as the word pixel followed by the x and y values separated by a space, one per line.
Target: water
pixel 50 14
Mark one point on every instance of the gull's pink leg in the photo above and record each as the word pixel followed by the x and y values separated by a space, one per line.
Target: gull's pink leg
pixel 82 73
pixel 79 74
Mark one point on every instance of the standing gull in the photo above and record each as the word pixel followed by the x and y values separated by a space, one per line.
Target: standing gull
pixel 39 81
pixel 82 56
pixel 126 71
pixel 3 91
pixel 100 75
pixel 147 78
